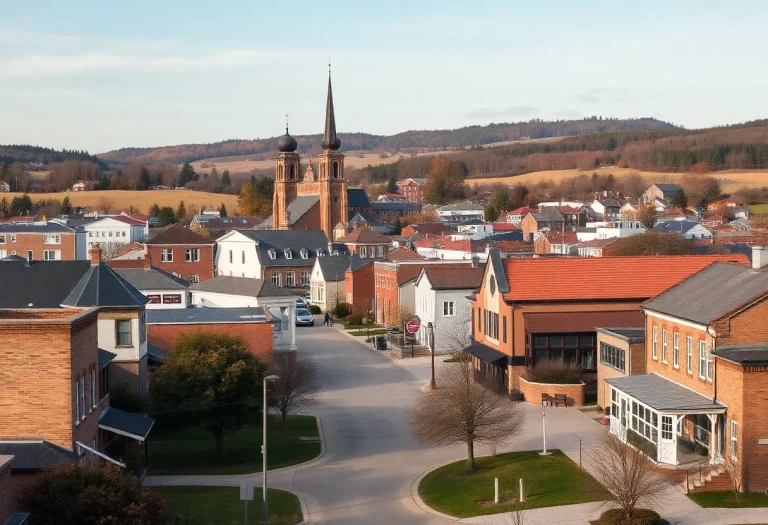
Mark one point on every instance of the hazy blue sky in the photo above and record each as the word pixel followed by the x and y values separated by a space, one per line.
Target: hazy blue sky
pixel 101 75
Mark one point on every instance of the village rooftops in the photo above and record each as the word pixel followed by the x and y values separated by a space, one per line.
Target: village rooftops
pixel 628 334
pixel 152 279
pixel 179 235
pixel 453 278
pixel 402 254
pixel 35 227
pixel 363 235
pixel 675 226
pixel 287 247
pixel 246 286
pixel 206 316
pixel 333 268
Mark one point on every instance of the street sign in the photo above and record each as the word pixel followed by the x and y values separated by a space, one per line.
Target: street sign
pixel 412 326
pixel 246 490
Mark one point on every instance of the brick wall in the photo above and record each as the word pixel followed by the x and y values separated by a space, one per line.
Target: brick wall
pixel 746 327
pixel 283 271
pixel 258 336
pixel 385 286
pixel 34 242
pixel 529 226
pixel 574 394
pixel 360 286
pixel 203 269
pixel 634 364
pixel 125 372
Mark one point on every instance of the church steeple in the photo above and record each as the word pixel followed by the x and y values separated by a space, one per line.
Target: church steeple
pixel 330 140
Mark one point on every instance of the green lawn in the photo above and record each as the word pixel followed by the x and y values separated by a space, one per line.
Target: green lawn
pixel 759 208
pixel 371 332
pixel 727 498
pixel 222 506
pixel 549 481
pixel 193 451
pixel 357 326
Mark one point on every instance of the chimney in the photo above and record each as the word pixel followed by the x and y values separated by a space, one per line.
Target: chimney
pixel 759 257
pixel 476 261
pixel 95 254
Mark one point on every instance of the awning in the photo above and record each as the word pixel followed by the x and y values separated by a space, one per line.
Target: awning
pixel 576 322
pixel 134 426
pixel 487 354
pixel 665 395
pixel 156 353
pixel 105 357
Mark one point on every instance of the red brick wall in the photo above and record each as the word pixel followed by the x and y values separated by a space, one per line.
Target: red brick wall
pixel 203 269
pixel 34 242
pixel 19 483
pixel 283 270
pixel 360 286
pixel 542 245
pixel 746 327
pixel 753 422
pixel 574 394
pixel 310 220
pixel 529 227
pixel 258 336
pixel 385 286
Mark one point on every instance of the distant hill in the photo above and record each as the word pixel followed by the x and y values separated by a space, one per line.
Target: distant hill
pixel 408 140
pixel 37 155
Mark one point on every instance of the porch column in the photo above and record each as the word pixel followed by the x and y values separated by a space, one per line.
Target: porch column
pixel 292 326
pixel 713 448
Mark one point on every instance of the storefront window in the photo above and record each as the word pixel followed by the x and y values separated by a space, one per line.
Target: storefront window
pixel 576 349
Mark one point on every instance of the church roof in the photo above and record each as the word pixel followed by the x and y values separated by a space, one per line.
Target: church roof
pixel 330 140
pixel 357 198
pixel 301 205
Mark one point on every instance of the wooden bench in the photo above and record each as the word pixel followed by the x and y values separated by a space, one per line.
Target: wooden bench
pixel 561 398
pixel 546 400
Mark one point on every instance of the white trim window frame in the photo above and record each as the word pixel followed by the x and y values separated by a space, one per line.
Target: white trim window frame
pixel 676 349
pixel 664 346
pixel 655 343
pixel 51 255
pixel 276 279
pixel 290 278
pixel 710 364
pixel 449 308
pixel 702 359
pixel 689 353
pixel 734 440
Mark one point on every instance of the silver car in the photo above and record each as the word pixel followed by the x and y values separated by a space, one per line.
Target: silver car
pixel 304 317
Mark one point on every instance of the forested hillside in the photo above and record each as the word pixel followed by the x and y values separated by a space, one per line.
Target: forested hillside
pixel 43 156
pixel 406 141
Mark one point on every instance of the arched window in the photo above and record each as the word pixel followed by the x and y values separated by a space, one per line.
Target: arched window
pixel 335 170
pixel 291 173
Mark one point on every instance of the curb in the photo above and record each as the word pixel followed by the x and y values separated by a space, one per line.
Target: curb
pixel 420 502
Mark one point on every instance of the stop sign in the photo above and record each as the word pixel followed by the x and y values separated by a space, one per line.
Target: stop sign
pixel 412 326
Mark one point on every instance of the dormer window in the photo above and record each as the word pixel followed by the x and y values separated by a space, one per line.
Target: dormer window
pixel 320 252
pixel 304 253
pixel 272 254
pixel 288 253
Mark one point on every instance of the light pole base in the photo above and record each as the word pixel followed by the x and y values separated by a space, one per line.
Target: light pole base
pixel 545 453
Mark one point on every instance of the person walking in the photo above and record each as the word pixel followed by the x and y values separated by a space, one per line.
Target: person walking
pixel 327 319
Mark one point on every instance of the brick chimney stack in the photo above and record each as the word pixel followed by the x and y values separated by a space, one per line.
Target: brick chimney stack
pixel 95 254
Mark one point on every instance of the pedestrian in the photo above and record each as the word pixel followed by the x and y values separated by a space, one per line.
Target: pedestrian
pixel 327 319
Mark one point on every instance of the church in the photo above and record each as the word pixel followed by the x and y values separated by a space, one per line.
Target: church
pixel 314 201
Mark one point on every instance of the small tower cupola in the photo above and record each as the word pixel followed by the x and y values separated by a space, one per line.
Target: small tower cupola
pixel 286 143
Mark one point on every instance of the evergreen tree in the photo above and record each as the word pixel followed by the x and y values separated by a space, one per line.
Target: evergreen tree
pixel 223 210
pixel 680 200
pixel 166 216
pixel 187 174
pixel 5 209
pixel 397 227
pixel 21 205
pixel 392 184
pixel 491 213
pixel 181 212
pixel 501 200
pixel 66 205
pixel 226 180
pixel 154 211
pixel 145 180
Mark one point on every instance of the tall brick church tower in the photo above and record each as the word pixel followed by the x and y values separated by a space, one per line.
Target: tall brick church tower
pixel 333 187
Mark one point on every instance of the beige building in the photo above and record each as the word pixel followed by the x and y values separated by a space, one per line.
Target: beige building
pixel 621 352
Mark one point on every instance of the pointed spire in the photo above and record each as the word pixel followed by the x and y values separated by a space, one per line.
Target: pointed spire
pixel 330 140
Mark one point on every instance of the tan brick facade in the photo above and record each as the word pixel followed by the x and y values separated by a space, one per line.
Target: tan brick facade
pixel 634 364
pixel 202 269
pixel 574 394
pixel 26 242
pixel 258 336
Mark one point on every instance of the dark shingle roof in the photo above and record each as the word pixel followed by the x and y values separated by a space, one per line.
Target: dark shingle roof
pixel 13 258
pixel 241 286
pixel 674 226
pixel 295 240
pixel 105 356
pixel 334 267
pixel 357 198
pixel 43 284
pixel 136 425
pixel 206 315
pixel 669 190
pixel 34 227
pixel 753 355
pixel 394 206
pixel 363 234
pixel 629 334
pixel 152 279
pixel 732 285
pixel 178 234
pixel 36 455
pixel 663 394
pixel 102 286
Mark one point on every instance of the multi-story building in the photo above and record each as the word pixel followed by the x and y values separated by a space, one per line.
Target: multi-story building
pixel 661 192
pixel 688 229
pixel 621 353
pixel 328 279
pixel 110 233
pixel 183 253
pixel 42 241
pixel 548 219
pixel 461 211
pixel 610 230
pixel 412 189
pixel 366 243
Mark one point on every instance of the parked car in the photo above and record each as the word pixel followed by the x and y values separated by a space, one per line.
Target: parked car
pixel 300 302
pixel 307 298
pixel 304 317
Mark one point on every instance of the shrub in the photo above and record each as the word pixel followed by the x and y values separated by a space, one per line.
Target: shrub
pixel 555 372
pixel 516 395
pixel 314 309
pixel 354 319
pixel 639 517
pixel 341 310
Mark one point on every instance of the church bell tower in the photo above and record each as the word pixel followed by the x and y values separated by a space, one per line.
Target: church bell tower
pixel 286 179
pixel 333 187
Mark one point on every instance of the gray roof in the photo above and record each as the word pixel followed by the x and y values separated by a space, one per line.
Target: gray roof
pixel 13 258
pixel 669 190
pixel 334 267
pixel 664 395
pixel 206 315
pixel 675 226
pixel 472 222
pixel 36 455
pixel 294 240
pixel 43 284
pixel 136 426
pixel 301 205
pixel 102 286
pixel 357 198
pixel 610 203
pixel 388 206
pixel 753 355
pixel 157 353
pixel 152 279
pixel 728 286
pixel 105 356
pixel 34 227
pixel 241 286
pixel 462 206
pixel 628 334
pixel 498 270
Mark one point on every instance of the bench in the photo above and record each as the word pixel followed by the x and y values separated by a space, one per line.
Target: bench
pixel 561 398
pixel 546 400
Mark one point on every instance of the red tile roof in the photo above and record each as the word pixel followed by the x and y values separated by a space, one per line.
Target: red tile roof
pixel 598 243
pixel 178 234
pixel 129 220
pixel 406 272
pixel 429 241
pixel 556 237
pixel 567 210
pixel 522 210
pixel 513 246
pixel 129 248
pixel 505 227
pixel 363 235
pixel 402 254
pixel 602 278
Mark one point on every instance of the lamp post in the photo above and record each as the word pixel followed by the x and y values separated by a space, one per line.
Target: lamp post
pixel 431 329
pixel 271 377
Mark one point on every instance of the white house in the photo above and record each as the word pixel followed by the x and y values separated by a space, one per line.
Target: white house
pixel 608 209
pixel 326 284
pixel 476 229
pixel 688 229
pixel 609 230
pixel 162 289
pixel 461 212
pixel 440 298
pixel 116 231
pixel 239 292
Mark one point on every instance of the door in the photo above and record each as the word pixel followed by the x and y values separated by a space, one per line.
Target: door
pixel 667 441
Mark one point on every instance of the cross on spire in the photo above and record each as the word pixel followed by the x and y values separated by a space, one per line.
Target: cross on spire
pixel 286 122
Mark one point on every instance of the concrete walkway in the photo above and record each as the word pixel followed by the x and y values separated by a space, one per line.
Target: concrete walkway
pixel 371 460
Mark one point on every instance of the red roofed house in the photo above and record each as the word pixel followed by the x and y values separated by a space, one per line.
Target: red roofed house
pixel 183 253
pixel 433 228
pixel 499 227
pixel 530 311
pixel 555 242
pixel 412 189
pixel 516 216
pixel 596 247
pixel 365 242
pixel 83 185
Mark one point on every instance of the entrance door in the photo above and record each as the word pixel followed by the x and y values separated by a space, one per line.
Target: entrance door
pixel 667 441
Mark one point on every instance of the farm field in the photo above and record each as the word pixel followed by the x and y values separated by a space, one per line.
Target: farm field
pixel 140 200
pixel 243 164
pixel 730 180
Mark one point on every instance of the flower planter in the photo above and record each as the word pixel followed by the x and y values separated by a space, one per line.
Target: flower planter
pixel 574 393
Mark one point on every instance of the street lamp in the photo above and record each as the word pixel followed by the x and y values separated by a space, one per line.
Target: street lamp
pixel 431 329
pixel 271 377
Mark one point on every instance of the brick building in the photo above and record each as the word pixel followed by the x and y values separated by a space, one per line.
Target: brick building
pixel 42 241
pixel 555 242
pixel 533 310
pixel 412 189
pixel 365 242
pixel 621 353
pixel 423 228
pixel 183 253
pixel 706 378
pixel 328 280
pixel 548 219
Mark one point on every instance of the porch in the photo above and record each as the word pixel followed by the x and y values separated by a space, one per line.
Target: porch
pixel 665 420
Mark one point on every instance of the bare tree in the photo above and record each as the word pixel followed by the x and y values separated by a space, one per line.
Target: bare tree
pixel 737 468
pixel 109 249
pixel 297 387
pixel 463 410
pixel 105 205
pixel 632 479
pixel 455 337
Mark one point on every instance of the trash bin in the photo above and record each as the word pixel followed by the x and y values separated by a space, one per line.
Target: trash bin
pixel 381 342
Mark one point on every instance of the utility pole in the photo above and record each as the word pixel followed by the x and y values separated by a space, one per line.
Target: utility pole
pixel 431 329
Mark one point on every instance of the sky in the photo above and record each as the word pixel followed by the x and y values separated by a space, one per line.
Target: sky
pixel 99 75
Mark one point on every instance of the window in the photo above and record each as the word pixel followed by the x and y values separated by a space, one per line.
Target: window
pixel 196 278
pixel 449 308
pixel 51 239
pixel 664 346
pixel 82 398
pixel 76 411
pixel 304 278
pixel 304 253
pixel 655 343
pixel 288 253
pixel 381 251
pixel 676 350
pixel 290 278
pixel 192 255
pixel 272 254
pixel 702 359
pixel 734 439
pixel 645 421
pixel 166 255
pixel 94 398
pixel 52 255
pixel 103 382
pixel 504 328
pixel 710 365
pixel 123 332
pixel 613 357
pixel 13 238
pixel 2 239
pixel 30 254
pixel 689 353
pixel 666 427
pixel 230 257
pixel 110 234
pixel 242 257
pixel 276 279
